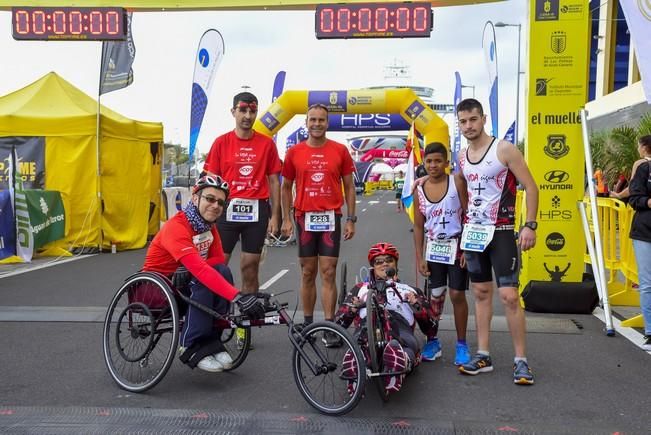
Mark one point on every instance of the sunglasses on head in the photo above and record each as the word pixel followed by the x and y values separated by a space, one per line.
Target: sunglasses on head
pixel 381 261
pixel 212 200
pixel 242 106
pixel 318 106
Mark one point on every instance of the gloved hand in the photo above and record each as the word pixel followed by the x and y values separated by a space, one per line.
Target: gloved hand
pixel 250 306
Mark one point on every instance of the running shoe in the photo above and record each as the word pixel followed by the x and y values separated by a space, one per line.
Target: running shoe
pixel 330 339
pixel 431 350
pixel 646 345
pixel 478 364
pixel 462 355
pixel 224 359
pixel 522 373
pixel 210 364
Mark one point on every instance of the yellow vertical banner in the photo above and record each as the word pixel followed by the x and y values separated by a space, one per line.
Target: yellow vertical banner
pixel 559 32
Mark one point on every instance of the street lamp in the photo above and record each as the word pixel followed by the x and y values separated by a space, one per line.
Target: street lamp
pixel 470 86
pixel 517 100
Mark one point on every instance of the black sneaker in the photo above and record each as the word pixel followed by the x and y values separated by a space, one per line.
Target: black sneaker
pixel 522 373
pixel 299 327
pixel 330 339
pixel 646 345
pixel 478 364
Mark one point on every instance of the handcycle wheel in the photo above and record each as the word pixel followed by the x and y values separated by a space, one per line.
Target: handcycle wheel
pixel 236 341
pixel 343 283
pixel 141 332
pixel 377 339
pixel 328 390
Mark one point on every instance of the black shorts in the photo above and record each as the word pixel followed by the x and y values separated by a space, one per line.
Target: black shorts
pixel 501 255
pixel 452 275
pixel 252 234
pixel 318 243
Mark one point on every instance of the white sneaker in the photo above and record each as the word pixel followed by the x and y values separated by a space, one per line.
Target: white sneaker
pixel 224 359
pixel 210 364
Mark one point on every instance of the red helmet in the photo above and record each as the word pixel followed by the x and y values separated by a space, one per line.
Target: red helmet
pixel 382 248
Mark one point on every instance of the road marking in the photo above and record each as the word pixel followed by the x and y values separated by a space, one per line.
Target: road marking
pixel 374 202
pixel 629 333
pixel 44 265
pixel 273 279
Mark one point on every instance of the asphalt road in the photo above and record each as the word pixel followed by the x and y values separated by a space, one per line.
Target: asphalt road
pixel 53 378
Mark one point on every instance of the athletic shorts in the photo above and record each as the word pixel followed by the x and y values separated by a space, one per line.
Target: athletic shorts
pixel 451 275
pixel 252 234
pixel 501 256
pixel 318 243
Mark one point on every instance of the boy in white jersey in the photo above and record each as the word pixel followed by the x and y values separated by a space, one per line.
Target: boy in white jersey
pixel 491 168
pixel 439 203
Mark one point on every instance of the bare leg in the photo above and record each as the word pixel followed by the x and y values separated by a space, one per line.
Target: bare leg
pixel 308 284
pixel 483 292
pixel 328 268
pixel 515 319
pixel 249 266
pixel 460 306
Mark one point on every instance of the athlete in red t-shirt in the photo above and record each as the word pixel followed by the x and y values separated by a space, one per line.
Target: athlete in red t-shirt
pixel 318 166
pixel 249 162
pixel 190 241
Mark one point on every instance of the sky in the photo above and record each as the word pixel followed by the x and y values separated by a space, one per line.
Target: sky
pixel 261 43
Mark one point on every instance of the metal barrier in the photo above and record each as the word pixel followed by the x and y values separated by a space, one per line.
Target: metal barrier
pixel 615 219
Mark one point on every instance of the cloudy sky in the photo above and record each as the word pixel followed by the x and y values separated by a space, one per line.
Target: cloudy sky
pixel 258 45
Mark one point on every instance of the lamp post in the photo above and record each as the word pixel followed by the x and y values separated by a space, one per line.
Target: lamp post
pixel 517 97
pixel 470 86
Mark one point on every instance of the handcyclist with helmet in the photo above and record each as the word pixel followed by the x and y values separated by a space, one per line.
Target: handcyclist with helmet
pixel 406 305
pixel 188 250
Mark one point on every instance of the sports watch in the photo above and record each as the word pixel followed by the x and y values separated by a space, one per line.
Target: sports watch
pixel 531 225
pixel 352 219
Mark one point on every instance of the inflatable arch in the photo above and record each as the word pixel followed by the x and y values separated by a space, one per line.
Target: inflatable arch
pixel 403 101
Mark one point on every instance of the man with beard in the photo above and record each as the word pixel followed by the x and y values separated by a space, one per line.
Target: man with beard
pixel 491 168
pixel 318 166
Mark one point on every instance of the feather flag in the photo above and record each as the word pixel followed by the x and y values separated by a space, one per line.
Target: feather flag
pixel 415 159
pixel 456 144
pixel 638 19
pixel 490 53
pixel 209 56
pixel 24 233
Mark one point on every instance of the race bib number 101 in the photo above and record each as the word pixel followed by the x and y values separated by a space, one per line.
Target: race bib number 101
pixel 242 210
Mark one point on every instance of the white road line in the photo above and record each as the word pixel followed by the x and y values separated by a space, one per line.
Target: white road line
pixel 44 265
pixel 374 202
pixel 629 333
pixel 273 279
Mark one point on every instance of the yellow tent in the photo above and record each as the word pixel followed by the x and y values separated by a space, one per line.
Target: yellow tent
pixel 129 183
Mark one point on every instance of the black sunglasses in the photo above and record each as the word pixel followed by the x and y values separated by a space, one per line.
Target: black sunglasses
pixel 212 200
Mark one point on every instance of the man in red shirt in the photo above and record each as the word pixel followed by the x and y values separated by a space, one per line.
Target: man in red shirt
pixel 189 244
pixel 318 166
pixel 249 162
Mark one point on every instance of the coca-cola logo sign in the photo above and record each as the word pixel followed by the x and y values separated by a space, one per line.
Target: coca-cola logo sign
pixel 555 241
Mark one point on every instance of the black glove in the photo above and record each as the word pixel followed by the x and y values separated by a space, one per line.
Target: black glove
pixel 250 306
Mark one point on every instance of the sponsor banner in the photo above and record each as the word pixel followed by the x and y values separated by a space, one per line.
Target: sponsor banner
pixel 366 122
pixel 7 230
pixel 373 154
pixel 277 91
pixel 366 100
pixel 46 215
pixel 558 65
pixel 638 18
pixel 30 155
pixel 335 101
pixel 117 59
pixel 490 55
pixel 456 144
pixel 208 58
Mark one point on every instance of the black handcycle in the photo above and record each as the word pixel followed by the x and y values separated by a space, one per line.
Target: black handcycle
pixel 145 317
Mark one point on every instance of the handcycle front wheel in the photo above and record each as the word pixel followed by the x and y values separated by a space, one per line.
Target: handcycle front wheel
pixel 319 371
pixel 141 332
pixel 377 340
pixel 237 342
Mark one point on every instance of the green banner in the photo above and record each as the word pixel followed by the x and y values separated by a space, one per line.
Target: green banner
pixel 47 216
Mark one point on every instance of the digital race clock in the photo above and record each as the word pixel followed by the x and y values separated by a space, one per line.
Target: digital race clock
pixel 68 23
pixel 373 20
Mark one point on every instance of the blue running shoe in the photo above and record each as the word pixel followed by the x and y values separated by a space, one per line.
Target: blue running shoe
pixel 522 373
pixel 462 354
pixel 431 350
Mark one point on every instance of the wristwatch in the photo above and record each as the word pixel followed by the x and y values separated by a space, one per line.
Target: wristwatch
pixel 352 219
pixel 531 225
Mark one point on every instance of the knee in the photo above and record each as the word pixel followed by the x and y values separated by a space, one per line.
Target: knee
pixel 329 274
pixel 308 272
pixel 457 297
pixel 224 271
pixel 510 299
pixel 482 293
